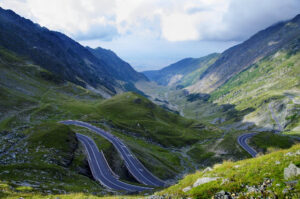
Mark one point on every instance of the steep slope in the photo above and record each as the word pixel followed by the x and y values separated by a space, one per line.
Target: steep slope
pixel 63 56
pixel 240 57
pixel 263 176
pixel 33 100
pixel 174 73
pixel 121 69
pixel 270 87
pixel 263 96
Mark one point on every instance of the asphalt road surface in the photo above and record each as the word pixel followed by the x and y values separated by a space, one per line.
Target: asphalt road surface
pixel 100 169
pixel 242 140
pixel 134 166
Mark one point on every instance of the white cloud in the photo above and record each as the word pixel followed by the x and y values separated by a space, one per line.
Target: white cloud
pixel 180 20
pixel 137 27
pixel 69 16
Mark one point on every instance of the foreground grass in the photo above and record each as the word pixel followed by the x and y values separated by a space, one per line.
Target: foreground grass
pixel 237 175
pixel 66 196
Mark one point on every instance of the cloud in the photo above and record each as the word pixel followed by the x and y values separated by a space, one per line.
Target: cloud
pixel 76 18
pixel 140 29
pixel 180 20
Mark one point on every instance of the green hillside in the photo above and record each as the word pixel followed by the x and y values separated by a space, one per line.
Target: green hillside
pixel 33 100
pixel 256 177
pixel 139 115
pixel 272 84
pixel 244 177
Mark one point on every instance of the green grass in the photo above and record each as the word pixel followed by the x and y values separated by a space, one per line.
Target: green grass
pixel 266 78
pixel 34 100
pixel 43 177
pixel 137 114
pixel 193 77
pixel 45 159
pixel 52 135
pixel 250 172
pixel 292 133
pixel 239 174
pixel 265 141
pixel 199 155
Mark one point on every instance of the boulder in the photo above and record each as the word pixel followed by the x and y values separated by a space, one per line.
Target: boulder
pixel 222 195
pixel 186 189
pixel 207 169
pixel 204 180
pixel 291 171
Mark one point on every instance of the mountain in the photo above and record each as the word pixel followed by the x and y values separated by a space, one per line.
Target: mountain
pixel 240 57
pixel 175 73
pixel 36 148
pixel 258 84
pixel 121 69
pixel 63 56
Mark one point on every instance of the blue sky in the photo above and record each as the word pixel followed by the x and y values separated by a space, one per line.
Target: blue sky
pixel 150 34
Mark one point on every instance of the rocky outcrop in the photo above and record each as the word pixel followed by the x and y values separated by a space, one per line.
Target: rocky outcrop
pixel 291 171
pixel 200 181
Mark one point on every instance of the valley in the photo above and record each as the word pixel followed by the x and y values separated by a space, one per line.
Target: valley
pixel 79 122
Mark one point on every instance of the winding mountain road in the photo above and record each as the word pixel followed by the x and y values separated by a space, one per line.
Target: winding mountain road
pixel 101 170
pixel 135 167
pixel 242 140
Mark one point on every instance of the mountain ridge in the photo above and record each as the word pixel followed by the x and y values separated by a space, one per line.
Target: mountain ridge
pixel 239 57
pixel 178 69
pixel 60 54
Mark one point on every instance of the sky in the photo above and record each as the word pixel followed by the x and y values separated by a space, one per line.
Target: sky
pixel 151 34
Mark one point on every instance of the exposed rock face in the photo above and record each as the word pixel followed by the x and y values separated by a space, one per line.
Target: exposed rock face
pixel 291 171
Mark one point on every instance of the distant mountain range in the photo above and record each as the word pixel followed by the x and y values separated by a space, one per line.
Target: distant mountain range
pixel 46 77
pixel 101 69
pixel 174 73
pixel 230 62
pixel 260 75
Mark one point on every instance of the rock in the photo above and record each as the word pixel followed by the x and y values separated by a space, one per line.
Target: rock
pixel 225 181
pixel 285 191
pixel 291 171
pixel 222 195
pixel 204 180
pixel 289 154
pixel 252 189
pixel 291 183
pixel 277 162
pixel 207 169
pixel 236 166
pixel 186 189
